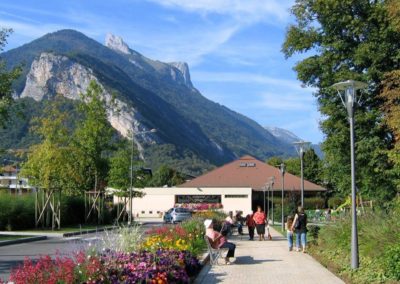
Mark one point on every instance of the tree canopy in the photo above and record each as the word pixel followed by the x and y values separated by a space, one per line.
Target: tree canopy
pixel 6 80
pixel 341 40
pixel 93 136
pixel 50 164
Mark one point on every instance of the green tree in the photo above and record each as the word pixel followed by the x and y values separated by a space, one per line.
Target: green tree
pixel 166 176
pixel 50 164
pixel 120 167
pixel 6 80
pixel 391 110
pixel 348 39
pixel 93 137
pixel 293 166
pixel 274 161
pixel 313 167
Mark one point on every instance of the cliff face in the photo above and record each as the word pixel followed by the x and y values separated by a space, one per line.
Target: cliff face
pixel 55 74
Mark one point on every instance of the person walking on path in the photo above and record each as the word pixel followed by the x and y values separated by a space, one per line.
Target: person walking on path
pixel 259 219
pixel 251 225
pixel 289 232
pixel 300 227
pixel 217 240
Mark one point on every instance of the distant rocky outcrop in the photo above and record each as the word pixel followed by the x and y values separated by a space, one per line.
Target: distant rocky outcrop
pixel 183 68
pixel 116 43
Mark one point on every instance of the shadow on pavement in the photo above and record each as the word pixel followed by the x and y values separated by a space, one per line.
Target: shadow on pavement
pixel 250 260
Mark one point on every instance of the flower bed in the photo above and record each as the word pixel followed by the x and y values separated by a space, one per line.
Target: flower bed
pixel 187 236
pixel 161 266
pixel 163 255
pixel 200 206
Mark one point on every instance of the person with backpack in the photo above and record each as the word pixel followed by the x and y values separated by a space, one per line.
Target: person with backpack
pixel 300 228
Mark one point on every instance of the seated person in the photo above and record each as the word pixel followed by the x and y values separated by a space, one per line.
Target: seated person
pixel 228 224
pixel 217 240
pixel 239 222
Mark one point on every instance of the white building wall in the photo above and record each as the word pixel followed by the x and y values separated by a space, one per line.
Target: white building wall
pixel 159 200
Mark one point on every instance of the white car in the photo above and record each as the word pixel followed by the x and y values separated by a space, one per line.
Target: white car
pixel 175 215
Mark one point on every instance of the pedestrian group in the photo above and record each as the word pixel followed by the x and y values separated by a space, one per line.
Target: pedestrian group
pixel 256 221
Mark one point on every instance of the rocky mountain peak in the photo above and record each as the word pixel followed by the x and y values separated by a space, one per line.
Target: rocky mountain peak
pixel 116 43
pixel 283 134
pixel 183 67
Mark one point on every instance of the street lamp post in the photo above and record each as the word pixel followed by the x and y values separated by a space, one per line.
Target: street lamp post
pixel 272 181
pixel 131 171
pixel 301 148
pixel 282 169
pixel 264 188
pixel 268 188
pixel 348 90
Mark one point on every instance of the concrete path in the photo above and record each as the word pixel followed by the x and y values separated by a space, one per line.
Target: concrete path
pixel 267 262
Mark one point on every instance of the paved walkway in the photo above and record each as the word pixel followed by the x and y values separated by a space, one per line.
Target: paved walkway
pixel 267 262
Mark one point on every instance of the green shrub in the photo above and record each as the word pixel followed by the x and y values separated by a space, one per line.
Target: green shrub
pixel 378 232
pixel 16 212
pixel 334 202
pixel 313 231
pixel 314 203
pixel 392 262
pixel 72 210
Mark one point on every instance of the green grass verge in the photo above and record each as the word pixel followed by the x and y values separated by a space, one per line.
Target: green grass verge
pixel 12 237
pixel 379 248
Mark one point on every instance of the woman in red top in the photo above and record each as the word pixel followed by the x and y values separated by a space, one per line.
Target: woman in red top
pixel 219 241
pixel 259 219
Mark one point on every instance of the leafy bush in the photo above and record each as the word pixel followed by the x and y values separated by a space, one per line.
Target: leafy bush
pixel 378 232
pixel 72 210
pixel 314 203
pixel 334 202
pixel 17 212
pixel 313 231
pixel 392 262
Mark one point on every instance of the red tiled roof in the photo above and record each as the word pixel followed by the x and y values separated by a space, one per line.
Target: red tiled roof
pixel 249 172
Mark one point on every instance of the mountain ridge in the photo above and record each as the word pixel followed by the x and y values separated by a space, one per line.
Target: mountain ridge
pixel 193 126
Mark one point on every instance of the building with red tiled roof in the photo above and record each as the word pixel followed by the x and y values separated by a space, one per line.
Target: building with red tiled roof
pixel 250 172
pixel 239 185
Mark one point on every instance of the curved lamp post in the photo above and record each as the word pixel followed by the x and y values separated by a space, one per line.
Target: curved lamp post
pixel 131 171
pixel 347 93
pixel 282 169
pixel 301 148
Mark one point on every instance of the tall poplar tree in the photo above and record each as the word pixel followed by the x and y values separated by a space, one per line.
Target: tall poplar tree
pixel 93 137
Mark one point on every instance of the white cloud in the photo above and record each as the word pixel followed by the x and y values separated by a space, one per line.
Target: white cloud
pixel 287 101
pixel 247 78
pixel 243 10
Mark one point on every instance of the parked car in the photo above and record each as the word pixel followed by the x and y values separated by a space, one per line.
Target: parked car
pixel 174 215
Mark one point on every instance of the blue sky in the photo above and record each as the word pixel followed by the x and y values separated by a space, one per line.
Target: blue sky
pixel 232 47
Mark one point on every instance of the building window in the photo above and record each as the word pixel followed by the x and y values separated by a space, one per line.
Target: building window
pixel 150 212
pixel 236 196
pixel 143 212
pixel 197 199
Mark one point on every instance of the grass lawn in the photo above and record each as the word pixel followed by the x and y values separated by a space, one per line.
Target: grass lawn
pixel 11 237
